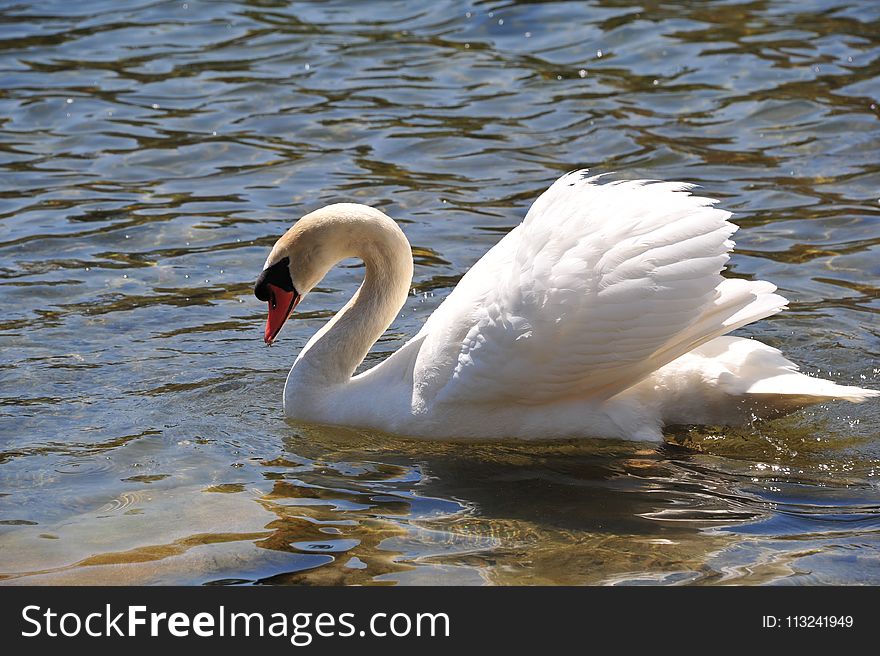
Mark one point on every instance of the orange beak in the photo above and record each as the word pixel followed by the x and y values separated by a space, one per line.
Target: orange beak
pixel 281 304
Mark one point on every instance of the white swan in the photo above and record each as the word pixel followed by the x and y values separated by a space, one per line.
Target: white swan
pixel 602 314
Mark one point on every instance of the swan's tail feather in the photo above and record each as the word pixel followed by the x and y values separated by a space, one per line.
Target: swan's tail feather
pixel 732 380
pixel 774 395
pixel 755 369
pixel 811 390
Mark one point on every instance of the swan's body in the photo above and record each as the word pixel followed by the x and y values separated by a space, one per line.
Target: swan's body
pixel 603 314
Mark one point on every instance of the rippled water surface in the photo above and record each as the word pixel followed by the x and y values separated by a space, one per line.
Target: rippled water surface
pixel 151 152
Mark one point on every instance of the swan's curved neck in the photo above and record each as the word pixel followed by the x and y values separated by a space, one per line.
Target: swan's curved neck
pixel 333 353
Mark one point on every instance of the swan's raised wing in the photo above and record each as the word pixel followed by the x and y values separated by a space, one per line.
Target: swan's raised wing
pixel 598 287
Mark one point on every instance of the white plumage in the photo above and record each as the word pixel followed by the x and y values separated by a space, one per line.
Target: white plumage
pixel 598 287
pixel 602 314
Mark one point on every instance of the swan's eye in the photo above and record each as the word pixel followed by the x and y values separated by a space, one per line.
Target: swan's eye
pixel 279 275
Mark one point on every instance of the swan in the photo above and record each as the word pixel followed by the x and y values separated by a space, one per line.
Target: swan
pixel 603 314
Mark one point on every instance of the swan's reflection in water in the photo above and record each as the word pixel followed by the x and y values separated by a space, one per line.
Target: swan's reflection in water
pixel 349 507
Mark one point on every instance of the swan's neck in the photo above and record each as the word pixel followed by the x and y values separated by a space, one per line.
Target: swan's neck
pixel 331 356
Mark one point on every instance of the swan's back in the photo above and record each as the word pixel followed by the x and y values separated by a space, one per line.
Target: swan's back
pixel 601 285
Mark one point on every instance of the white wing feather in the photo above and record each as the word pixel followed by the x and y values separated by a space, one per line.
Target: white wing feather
pixel 599 286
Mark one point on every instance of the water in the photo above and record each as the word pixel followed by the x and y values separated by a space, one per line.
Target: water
pixel 153 151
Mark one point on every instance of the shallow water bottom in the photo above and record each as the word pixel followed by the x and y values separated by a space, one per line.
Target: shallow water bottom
pixel 359 508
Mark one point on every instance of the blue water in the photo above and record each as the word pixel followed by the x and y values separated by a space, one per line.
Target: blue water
pixel 153 151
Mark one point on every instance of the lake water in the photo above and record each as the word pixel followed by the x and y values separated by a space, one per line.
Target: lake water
pixel 152 152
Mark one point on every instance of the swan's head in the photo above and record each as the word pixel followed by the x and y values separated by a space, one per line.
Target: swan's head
pixel 306 252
